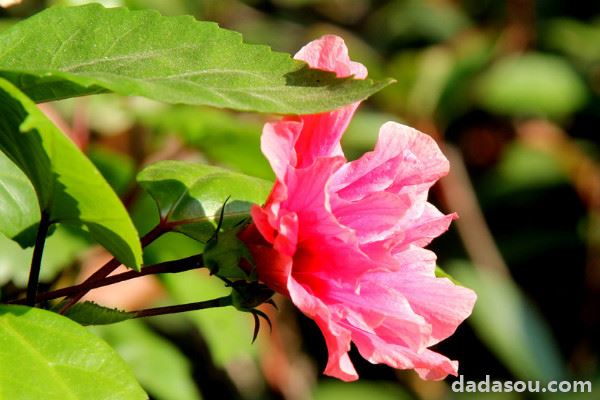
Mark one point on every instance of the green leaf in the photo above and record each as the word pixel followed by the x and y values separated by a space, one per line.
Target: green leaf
pixel 67 184
pixel 190 195
pixel 47 356
pixel 90 313
pixel 19 210
pixel 65 52
pixel 510 325
pixel 440 273
pixel 532 84
pixel 161 369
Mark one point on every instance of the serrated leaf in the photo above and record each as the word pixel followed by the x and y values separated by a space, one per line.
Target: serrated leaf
pixel 19 209
pixel 90 313
pixel 44 355
pixel 69 188
pixel 150 356
pixel 190 195
pixel 65 52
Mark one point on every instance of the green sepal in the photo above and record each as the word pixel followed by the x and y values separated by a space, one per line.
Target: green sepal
pixel 225 255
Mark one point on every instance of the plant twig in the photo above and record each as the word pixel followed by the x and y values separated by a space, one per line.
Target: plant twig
pixel 113 264
pixel 173 266
pixel 151 312
pixel 36 259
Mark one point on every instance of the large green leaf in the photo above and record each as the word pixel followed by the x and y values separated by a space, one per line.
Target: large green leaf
pixel 69 188
pixel 190 196
pixel 510 325
pixel 66 52
pixel 44 355
pixel 18 205
pixel 159 366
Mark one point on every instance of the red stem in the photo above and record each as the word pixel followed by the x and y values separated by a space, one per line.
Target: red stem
pixel 151 312
pixel 113 264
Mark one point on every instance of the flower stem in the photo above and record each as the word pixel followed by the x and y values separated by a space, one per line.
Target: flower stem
pixel 173 266
pixel 151 312
pixel 36 259
pixel 113 264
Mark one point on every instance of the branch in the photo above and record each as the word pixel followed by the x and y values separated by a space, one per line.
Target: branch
pixel 113 264
pixel 167 267
pixel 36 259
pixel 151 312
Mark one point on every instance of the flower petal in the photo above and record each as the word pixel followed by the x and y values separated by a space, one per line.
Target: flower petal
pixel 428 364
pixel 442 303
pixel 337 338
pixel 374 217
pixel 277 144
pixel 321 133
pixel 403 157
pixel 329 53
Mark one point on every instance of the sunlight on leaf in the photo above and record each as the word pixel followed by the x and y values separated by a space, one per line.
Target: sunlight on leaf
pixel 65 52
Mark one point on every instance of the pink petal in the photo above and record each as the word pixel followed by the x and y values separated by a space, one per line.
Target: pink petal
pixel 373 217
pixel 337 338
pixel 376 308
pixel 428 364
pixel 403 157
pixel 308 198
pixel 443 304
pixel 320 261
pixel 277 144
pixel 273 267
pixel 421 229
pixel 321 133
pixel 329 53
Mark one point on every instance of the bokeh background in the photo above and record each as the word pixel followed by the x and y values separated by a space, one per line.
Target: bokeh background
pixel 510 90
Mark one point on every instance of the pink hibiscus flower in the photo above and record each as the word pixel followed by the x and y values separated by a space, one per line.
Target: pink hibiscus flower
pixel 344 240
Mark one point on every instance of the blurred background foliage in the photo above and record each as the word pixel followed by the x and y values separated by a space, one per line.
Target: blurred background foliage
pixel 511 91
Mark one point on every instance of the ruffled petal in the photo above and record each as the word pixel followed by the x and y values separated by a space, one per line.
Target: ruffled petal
pixel 443 304
pixel 309 199
pixel 277 144
pixel 427 363
pixel 380 310
pixel 403 158
pixel 337 338
pixel 321 133
pixel 420 228
pixel 374 217
pixel 329 53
